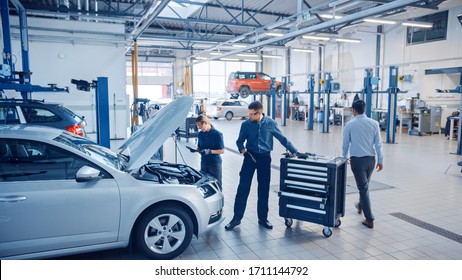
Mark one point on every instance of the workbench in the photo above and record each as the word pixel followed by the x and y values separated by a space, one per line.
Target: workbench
pixel 344 112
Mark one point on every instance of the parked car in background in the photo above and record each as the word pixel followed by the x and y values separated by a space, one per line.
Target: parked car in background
pixel 242 84
pixel 63 194
pixel 228 109
pixel 36 112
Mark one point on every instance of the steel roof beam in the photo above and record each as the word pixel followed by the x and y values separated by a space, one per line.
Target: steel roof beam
pixel 348 18
pixel 148 18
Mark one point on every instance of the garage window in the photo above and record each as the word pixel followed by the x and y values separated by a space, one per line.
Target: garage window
pixel 417 35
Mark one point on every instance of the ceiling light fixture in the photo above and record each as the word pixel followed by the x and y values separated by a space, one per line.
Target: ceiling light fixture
pixel 380 21
pixel 277 24
pixel 200 57
pixel 274 34
pixel 215 53
pixel 330 16
pixel 239 46
pixel 252 60
pixel 271 56
pixel 229 59
pixel 247 55
pixel 418 24
pixel 302 50
pixel 320 38
pixel 345 40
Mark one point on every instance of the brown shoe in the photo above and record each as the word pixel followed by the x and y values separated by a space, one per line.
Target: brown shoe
pixel 369 224
pixel 359 208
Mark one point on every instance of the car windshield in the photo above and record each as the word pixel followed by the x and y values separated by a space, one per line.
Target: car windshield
pixel 100 153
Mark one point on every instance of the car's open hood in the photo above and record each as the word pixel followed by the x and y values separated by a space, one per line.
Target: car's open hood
pixel 150 136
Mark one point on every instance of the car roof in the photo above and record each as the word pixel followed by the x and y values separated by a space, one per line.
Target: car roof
pixel 36 132
pixel 28 101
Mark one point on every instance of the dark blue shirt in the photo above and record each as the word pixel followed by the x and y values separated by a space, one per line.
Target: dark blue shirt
pixel 213 140
pixel 258 136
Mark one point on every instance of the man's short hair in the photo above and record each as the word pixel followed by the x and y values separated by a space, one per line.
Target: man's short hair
pixel 255 105
pixel 359 106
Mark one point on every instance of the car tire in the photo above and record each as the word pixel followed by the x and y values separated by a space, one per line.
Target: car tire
pixel 279 92
pixel 215 118
pixel 244 92
pixel 229 116
pixel 163 233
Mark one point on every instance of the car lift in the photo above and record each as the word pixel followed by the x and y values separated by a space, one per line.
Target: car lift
pixel 311 84
pixel 10 79
pixel 329 88
pixel 102 107
pixel 20 80
pixel 457 90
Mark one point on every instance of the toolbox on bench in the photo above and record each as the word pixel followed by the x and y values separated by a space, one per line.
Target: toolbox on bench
pixel 312 188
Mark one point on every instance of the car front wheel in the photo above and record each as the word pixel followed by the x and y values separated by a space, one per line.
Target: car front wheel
pixel 163 233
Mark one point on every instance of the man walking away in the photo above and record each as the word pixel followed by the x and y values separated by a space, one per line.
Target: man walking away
pixel 361 137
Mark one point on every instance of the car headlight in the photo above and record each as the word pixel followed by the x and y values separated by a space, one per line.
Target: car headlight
pixel 207 190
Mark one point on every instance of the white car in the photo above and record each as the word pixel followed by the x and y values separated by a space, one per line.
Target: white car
pixel 229 109
pixel 62 194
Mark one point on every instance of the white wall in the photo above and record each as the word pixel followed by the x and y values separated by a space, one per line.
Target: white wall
pixel 348 61
pixel 82 51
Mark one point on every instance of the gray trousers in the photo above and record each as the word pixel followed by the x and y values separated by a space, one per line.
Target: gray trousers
pixel 362 168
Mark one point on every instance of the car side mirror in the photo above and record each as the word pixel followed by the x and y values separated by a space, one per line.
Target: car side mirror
pixel 86 174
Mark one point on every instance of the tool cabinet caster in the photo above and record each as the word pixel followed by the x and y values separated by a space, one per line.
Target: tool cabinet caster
pixel 288 222
pixel 327 232
pixel 338 223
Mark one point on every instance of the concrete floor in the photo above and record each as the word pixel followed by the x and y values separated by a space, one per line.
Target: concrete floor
pixel 417 207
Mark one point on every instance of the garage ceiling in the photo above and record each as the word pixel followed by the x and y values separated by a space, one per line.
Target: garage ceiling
pixel 186 28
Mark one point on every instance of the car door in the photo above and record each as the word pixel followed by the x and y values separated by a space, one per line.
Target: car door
pixel 265 82
pixel 241 109
pixel 44 208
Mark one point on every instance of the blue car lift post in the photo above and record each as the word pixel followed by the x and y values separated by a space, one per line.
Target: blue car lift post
pixel 393 91
pixel 102 112
pixel 327 91
pixel 273 98
pixel 284 101
pixel 311 84
pixel 102 107
pixel 367 91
